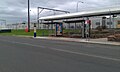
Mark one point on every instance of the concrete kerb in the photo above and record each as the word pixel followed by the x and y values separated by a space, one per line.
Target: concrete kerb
pixel 81 40
pixel 93 41
pixel 23 36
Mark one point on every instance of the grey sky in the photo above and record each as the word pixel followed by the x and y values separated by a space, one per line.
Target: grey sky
pixel 16 10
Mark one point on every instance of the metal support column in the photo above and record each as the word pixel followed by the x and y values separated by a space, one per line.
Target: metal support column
pixel 38 17
pixel 55 29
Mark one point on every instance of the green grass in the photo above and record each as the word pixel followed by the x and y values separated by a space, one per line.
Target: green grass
pixel 31 33
pixel 40 32
pixel 71 31
pixel 46 32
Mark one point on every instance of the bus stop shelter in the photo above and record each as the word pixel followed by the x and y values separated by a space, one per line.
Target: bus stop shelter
pixel 58 27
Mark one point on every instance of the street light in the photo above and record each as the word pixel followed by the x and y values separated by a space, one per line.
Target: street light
pixel 78 4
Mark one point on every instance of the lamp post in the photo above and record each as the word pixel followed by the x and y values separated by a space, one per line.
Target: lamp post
pixel 78 5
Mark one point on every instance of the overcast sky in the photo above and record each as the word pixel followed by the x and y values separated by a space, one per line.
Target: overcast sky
pixel 15 11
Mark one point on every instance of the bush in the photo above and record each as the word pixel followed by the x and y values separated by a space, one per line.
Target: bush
pixel 99 28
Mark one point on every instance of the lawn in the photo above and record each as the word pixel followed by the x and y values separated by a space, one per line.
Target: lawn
pixel 66 32
pixel 41 32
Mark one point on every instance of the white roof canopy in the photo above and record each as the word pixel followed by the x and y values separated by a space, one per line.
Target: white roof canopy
pixel 107 11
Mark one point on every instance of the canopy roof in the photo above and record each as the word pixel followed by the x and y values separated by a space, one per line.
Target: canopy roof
pixel 108 11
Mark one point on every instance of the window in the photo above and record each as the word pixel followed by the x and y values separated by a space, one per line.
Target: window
pixel 109 23
pixel 97 23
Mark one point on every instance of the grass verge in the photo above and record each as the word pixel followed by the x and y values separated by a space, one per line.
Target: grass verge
pixel 31 33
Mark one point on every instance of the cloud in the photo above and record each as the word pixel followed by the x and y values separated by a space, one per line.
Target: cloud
pixel 16 10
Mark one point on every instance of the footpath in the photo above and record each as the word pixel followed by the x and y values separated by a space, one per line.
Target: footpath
pixel 94 41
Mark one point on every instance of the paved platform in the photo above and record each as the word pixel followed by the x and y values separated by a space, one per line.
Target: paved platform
pixel 97 41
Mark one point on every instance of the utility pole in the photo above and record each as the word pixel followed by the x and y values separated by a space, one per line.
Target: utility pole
pixel 28 16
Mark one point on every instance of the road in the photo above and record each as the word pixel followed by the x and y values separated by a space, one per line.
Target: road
pixel 19 54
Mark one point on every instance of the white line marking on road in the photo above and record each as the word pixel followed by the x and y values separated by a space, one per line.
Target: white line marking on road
pixel 67 51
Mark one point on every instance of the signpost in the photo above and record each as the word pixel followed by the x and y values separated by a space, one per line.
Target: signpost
pixel 87 28
pixel 83 29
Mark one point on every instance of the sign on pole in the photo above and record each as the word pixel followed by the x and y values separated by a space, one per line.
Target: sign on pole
pixel 87 28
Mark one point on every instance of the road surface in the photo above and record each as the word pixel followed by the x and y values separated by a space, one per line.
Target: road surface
pixel 19 54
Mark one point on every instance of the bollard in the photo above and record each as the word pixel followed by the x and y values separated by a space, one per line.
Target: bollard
pixel 34 30
pixel 42 33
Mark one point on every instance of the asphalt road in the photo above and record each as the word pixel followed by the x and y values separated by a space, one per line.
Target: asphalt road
pixel 19 54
